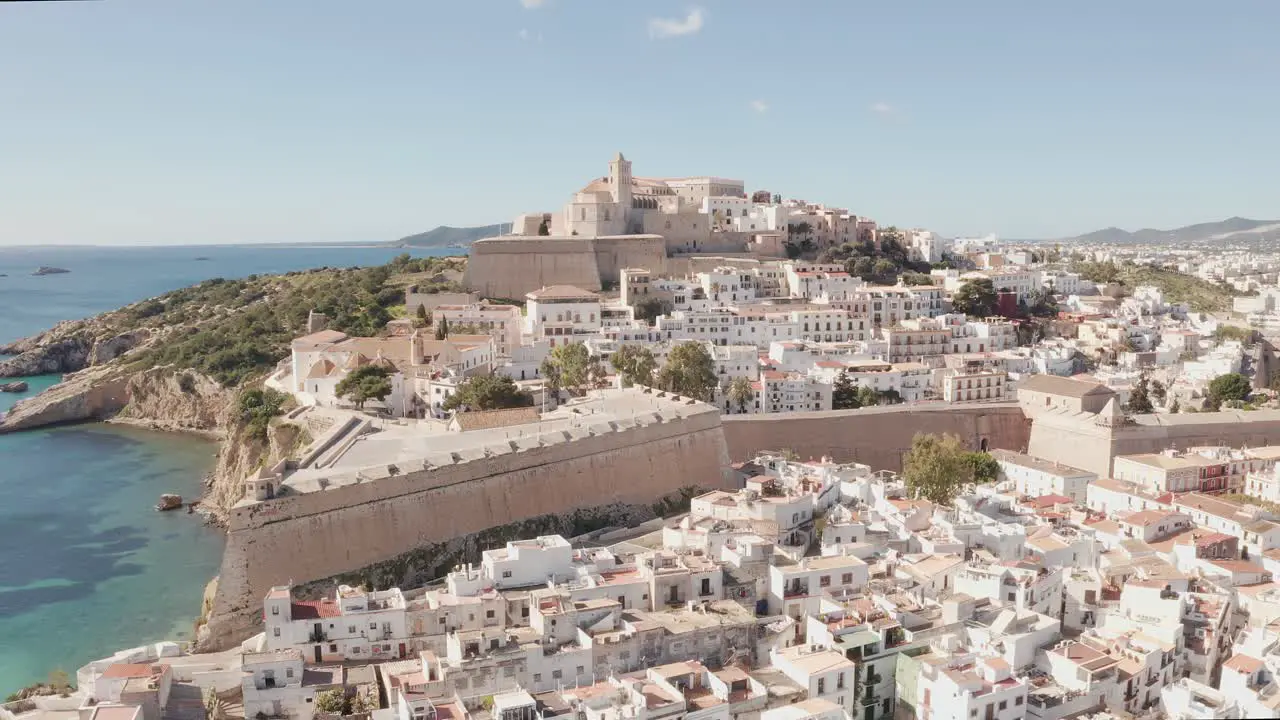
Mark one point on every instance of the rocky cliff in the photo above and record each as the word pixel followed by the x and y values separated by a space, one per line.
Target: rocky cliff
pixel 68 347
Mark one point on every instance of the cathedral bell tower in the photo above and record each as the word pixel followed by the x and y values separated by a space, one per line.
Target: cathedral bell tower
pixel 620 186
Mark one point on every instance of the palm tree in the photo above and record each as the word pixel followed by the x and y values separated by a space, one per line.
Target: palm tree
pixel 740 393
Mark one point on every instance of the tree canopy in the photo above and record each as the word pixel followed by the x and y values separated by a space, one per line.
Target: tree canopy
pixel 635 363
pixel 1232 386
pixel 740 393
pixel 568 367
pixel 690 371
pixel 1140 396
pixel 257 407
pixel 844 393
pixel 937 468
pixel 650 308
pixel 976 298
pixel 488 392
pixel 365 383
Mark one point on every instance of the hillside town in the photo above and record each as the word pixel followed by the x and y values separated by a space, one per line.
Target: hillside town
pixel 816 589
pixel 1117 562
pixel 813 308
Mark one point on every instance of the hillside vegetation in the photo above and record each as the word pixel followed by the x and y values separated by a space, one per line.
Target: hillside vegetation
pixel 1201 295
pixel 231 330
pixel 444 235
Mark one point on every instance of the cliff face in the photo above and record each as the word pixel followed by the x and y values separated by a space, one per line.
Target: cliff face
pixel 241 454
pixel 68 347
pixel 93 394
pixel 184 401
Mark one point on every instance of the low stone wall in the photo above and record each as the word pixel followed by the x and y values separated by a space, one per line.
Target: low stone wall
pixel 345 528
pixel 875 436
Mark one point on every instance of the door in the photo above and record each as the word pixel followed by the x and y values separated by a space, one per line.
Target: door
pixel 402 649
pixel 318 658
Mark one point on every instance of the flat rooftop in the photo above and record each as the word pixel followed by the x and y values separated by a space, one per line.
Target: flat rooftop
pixel 410 444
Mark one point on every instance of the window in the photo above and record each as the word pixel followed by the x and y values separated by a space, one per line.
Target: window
pixel 372 626
pixel 275 632
pixel 556 674
pixel 822 685
pixel 537 677
pixel 847 577
pixel 442 621
pixel 824 581
pixel 275 610
pixel 506 573
pixel 333 647
pixel 288 672
pixel 1017 700
pixel 524 612
pixel 579 669
pixel 488 614
pixel 351 629
pixel 1004 704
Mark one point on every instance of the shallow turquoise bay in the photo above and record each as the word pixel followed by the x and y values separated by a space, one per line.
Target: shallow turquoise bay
pixel 87 566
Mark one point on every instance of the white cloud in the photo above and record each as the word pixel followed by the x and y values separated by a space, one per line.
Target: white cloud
pixel 674 27
pixel 532 4
pixel 759 106
pixel 882 108
pixel 524 33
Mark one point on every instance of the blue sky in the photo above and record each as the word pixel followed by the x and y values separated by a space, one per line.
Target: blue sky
pixel 159 122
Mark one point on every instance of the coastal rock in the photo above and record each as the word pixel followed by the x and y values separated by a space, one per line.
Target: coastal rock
pixel 169 501
pixel 46 270
pixel 89 395
pixel 14 387
pixel 109 349
pixel 60 356
pixel 157 399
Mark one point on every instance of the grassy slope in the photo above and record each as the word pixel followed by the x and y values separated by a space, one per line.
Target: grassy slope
pixel 1201 295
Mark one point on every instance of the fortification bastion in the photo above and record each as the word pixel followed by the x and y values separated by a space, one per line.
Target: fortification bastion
pixel 396 488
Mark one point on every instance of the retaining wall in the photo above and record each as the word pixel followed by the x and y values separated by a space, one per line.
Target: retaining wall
pixel 342 529
pixel 875 436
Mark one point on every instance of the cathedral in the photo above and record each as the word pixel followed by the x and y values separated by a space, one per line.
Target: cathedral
pixel 621 204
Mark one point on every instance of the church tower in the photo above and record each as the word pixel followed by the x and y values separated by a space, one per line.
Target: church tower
pixel 620 186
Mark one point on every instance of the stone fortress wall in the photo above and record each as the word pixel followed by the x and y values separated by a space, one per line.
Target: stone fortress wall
pixel 878 437
pixel 1082 441
pixel 344 528
pixel 511 266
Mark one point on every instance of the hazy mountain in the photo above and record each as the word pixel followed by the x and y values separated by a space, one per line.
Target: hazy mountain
pixel 445 236
pixel 1236 229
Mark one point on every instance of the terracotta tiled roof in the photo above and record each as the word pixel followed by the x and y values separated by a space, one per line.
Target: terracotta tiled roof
pixel 314 609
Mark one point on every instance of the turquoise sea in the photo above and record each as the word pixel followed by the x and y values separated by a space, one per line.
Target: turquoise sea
pixel 86 565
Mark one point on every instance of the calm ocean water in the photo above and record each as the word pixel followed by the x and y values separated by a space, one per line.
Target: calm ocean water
pixel 86 565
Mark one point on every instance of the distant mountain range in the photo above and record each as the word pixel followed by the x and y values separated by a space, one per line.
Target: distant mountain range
pixel 1231 230
pixel 446 236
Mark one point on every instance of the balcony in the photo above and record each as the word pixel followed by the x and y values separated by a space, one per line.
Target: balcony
pixel 318 637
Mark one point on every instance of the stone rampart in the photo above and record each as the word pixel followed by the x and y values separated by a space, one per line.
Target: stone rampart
pixel 1080 441
pixel 875 436
pixel 304 537
pixel 510 267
